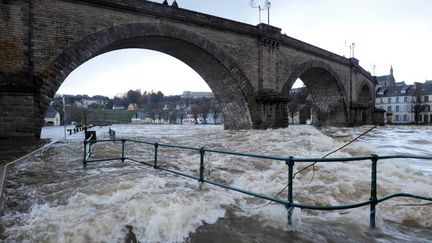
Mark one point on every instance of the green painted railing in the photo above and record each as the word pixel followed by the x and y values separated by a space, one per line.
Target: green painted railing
pixel 289 161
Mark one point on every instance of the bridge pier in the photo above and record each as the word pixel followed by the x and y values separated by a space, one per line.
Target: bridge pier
pixel 361 114
pixel 20 114
pixel 271 111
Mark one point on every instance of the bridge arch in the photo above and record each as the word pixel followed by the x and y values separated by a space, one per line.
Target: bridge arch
pixel 326 89
pixel 363 104
pixel 228 82
pixel 365 95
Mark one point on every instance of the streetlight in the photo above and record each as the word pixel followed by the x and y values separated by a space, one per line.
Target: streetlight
pixel 64 115
pixel 266 6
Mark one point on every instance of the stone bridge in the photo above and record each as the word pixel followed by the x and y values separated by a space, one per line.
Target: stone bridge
pixel 249 68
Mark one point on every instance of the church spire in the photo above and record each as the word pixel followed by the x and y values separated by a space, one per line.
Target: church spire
pixel 174 4
pixel 391 70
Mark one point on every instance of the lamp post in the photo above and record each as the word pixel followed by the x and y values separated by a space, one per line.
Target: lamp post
pixel 64 115
pixel 260 8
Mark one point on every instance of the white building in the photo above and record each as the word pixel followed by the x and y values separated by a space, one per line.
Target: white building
pixel 197 95
pixel 52 117
pixel 399 102
pixel 142 117
pixel 85 103
pixel 118 107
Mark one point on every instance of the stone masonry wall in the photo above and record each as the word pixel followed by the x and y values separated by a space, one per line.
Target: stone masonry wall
pixel 11 39
pixel 16 89
pixel 16 115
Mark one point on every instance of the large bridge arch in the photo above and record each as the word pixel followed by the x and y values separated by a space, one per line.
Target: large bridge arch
pixel 326 89
pixel 210 61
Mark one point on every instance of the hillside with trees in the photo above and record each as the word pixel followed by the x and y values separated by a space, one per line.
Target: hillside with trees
pixel 103 110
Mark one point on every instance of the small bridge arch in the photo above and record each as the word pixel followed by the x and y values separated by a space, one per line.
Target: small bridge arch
pixel 366 93
pixel 364 104
pixel 326 89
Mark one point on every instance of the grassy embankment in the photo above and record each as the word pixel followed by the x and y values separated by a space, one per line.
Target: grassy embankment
pixel 109 116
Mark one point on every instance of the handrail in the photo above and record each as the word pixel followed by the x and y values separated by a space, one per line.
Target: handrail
pixel 4 168
pixel 289 161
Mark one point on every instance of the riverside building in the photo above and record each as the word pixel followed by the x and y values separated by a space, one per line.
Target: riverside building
pixel 404 104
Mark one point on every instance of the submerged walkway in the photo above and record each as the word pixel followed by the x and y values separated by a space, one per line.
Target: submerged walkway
pixel 14 148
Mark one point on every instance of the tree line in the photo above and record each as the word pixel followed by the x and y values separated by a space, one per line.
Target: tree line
pixel 156 104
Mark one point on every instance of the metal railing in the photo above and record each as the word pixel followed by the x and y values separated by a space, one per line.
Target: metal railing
pixel 289 161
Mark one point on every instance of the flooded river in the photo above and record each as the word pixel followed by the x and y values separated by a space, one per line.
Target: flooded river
pixel 52 198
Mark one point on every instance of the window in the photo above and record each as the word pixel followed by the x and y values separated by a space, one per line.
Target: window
pixel 389 108
pixel 426 119
pixel 397 99
pixel 405 99
pixel 389 100
pixel 397 108
pixel 397 118
pixel 381 100
pixel 426 98
pixel 405 117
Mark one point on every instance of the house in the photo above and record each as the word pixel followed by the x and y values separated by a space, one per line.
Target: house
pixel 165 108
pixel 214 118
pixel 406 103
pixel 158 119
pixel 180 107
pixel 118 107
pixel 387 80
pixel 197 95
pixel 133 107
pixel 141 117
pixel 85 103
pixel 52 117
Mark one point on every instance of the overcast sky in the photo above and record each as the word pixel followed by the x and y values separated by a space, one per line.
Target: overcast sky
pixel 385 33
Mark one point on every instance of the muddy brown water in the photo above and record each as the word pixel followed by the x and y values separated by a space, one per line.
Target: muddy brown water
pixel 52 198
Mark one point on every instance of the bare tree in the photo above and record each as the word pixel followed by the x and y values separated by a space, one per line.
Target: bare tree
pixel 417 105
pixel 293 106
pixel 297 100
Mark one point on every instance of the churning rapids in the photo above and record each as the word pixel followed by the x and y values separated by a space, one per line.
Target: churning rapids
pixel 52 198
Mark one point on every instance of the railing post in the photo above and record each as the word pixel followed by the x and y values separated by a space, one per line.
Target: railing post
pixel 202 151
pixel 373 198
pixel 85 154
pixel 90 147
pixel 156 145
pixel 290 163
pixel 123 150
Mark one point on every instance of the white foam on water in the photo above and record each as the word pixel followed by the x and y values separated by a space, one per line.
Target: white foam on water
pixel 164 208
pixel 159 212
